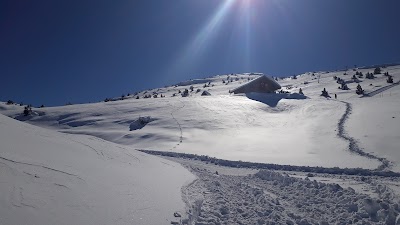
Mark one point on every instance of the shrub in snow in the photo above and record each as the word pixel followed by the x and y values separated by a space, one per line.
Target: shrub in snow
pixel 198 90
pixel 390 79
pixel 325 93
pixel 10 102
pixel 205 93
pixel 185 93
pixel 301 91
pixel 344 86
pixel 294 77
pixel 27 110
pixel 369 75
pixel 191 88
pixel 377 70
pixel 42 106
pixel 359 90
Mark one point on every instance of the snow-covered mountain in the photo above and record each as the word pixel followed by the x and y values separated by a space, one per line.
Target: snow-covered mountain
pixel 85 162
pixel 258 127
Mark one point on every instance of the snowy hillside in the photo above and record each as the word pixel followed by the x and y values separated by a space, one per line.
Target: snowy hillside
pixel 91 173
pixel 48 177
pixel 350 131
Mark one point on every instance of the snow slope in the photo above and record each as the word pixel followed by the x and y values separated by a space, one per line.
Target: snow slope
pixel 282 129
pixel 48 177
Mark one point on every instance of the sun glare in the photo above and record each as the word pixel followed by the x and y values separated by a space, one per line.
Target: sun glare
pixel 245 16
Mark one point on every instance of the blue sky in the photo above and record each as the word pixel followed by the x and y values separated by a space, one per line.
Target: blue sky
pixel 54 52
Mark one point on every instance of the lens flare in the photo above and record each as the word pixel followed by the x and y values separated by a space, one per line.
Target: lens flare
pixel 245 16
pixel 199 43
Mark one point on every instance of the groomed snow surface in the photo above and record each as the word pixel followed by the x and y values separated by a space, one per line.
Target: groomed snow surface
pixel 90 173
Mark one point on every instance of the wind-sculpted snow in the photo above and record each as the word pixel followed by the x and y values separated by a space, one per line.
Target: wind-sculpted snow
pixel 274 198
pixel 353 144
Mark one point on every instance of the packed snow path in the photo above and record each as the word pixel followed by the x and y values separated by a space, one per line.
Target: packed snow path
pixel 353 145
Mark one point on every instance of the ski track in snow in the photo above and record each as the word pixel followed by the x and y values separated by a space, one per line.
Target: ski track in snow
pixel 42 166
pixel 353 144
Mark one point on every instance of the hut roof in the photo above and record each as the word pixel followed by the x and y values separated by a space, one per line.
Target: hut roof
pixel 260 84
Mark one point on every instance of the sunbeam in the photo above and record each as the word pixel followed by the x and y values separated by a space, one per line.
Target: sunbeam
pixel 199 43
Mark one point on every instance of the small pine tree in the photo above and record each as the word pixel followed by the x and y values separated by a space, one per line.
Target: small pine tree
pixel 185 93
pixel 27 110
pixel 359 90
pixel 390 79
pixel 377 70
pixel 325 93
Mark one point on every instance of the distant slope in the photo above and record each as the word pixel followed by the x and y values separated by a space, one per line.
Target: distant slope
pixel 52 178
pixel 282 129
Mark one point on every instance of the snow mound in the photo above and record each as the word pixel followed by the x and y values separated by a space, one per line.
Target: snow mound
pixel 140 123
